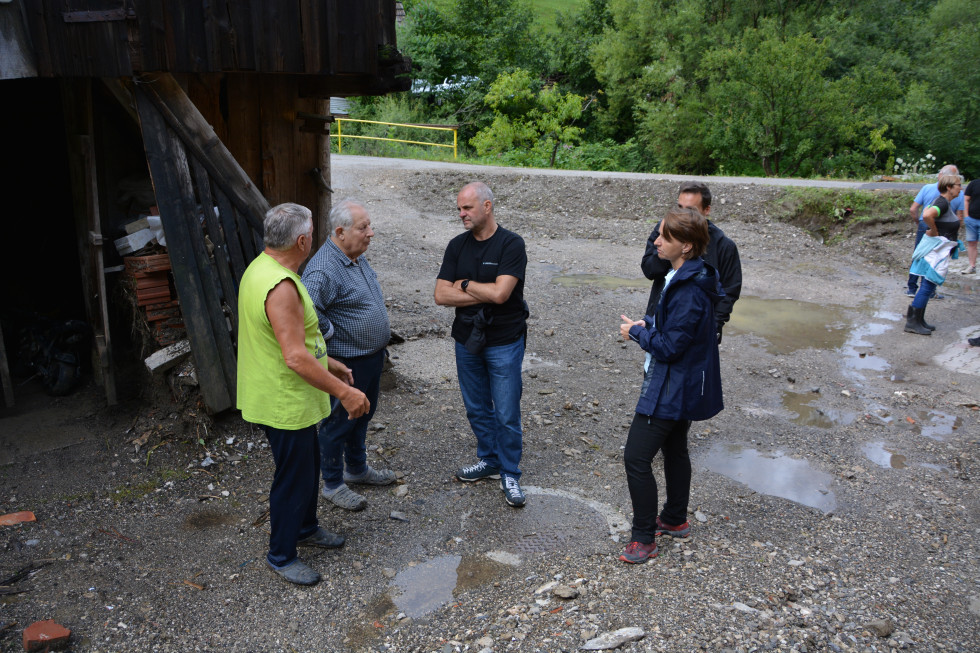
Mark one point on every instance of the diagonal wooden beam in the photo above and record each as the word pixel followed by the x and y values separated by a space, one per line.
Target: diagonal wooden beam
pixel 198 136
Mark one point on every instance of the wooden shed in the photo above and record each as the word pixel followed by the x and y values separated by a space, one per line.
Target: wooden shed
pixel 224 107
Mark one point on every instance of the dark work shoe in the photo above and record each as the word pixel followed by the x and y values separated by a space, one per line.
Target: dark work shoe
pixel 296 572
pixel 638 552
pixel 910 293
pixel 323 539
pixel 974 342
pixel 512 491
pixel 477 472
pixel 679 532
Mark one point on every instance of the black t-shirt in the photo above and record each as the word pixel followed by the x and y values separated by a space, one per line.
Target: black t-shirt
pixel 483 261
pixel 947 224
pixel 973 192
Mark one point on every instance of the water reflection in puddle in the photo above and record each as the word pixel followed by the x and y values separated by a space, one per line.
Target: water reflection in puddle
pixel 809 415
pixel 427 586
pixel 882 456
pixel 855 355
pixel 788 325
pixel 774 474
pixel 934 424
pixel 934 467
pixel 598 280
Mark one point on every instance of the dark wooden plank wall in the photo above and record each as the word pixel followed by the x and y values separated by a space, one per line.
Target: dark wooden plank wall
pixel 255 117
pixel 324 37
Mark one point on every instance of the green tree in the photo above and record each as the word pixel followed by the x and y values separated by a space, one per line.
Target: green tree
pixel 768 100
pixel 470 43
pixel 539 121
pixel 950 114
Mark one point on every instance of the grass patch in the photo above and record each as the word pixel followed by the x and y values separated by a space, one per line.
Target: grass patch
pixel 831 214
pixel 134 491
pixel 545 10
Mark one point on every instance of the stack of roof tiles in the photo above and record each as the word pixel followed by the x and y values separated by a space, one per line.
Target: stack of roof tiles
pixel 156 296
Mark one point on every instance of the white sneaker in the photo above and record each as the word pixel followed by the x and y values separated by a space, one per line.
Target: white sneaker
pixel 970 270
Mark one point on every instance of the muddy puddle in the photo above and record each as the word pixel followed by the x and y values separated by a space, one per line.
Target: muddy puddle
pixel 787 325
pixel 425 587
pixel 883 456
pixel 775 474
pixel 805 406
pixel 933 424
pixel 598 281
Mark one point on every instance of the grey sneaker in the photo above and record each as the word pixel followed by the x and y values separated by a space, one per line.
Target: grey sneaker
pixel 372 477
pixel 344 497
pixel 512 491
pixel 323 539
pixel 296 572
pixel 477 472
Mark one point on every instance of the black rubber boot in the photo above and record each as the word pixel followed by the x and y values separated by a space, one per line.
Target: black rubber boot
pixel 908 316
pixel 913 323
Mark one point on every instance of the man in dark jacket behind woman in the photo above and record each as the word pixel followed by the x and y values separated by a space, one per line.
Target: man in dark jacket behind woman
pixel 721 254
pixel 681 382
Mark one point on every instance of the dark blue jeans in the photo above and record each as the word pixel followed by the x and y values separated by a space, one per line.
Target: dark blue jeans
pixel 295 490
pixel 647 436
pixel 343 440
pixel 491 385
pixel 922 296
pixel 919 233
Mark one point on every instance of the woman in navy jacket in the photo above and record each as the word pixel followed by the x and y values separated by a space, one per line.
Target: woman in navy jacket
pixel 681 382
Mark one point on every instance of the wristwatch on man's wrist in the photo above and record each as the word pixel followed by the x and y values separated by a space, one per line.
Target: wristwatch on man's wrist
pixel 463 285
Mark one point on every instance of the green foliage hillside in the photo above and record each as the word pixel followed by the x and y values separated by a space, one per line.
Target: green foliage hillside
pixel 768 87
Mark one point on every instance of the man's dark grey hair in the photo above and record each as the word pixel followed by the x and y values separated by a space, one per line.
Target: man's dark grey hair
pixel 483 192
pixel 341 215
pixel 284 224
pixel 697 187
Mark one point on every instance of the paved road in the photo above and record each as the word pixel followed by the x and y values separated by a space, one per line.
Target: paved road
pixel 349 162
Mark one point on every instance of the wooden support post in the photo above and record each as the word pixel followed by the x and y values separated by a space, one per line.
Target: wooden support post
pixel 326 202
pixel 77 102
pixel 8 387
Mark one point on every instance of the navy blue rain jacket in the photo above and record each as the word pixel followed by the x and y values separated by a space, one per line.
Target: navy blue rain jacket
pixel 684 377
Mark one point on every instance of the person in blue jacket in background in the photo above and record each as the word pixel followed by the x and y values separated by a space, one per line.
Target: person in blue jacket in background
pixel 681 382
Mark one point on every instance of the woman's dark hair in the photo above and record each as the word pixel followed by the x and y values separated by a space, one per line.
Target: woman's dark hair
pixel 686 226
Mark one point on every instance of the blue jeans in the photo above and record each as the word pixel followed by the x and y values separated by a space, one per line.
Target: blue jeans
pixel 294 492
pixel 491 385
pixel 927 290
pixel 919 233
pixel 341 439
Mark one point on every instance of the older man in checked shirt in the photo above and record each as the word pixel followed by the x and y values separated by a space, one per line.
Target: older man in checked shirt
pixel 348 301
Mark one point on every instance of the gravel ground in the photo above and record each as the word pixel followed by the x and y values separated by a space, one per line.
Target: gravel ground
pixel 834 506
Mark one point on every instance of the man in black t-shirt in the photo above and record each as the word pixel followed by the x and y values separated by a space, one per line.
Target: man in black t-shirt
pixel 482 275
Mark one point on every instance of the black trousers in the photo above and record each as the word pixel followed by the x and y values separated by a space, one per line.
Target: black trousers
pixel 295 490
pixel 647 436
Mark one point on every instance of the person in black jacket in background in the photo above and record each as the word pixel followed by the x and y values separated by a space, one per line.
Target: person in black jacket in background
pixel 722 255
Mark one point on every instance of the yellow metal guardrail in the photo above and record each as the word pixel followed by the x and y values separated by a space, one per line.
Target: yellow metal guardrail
pixel 340 135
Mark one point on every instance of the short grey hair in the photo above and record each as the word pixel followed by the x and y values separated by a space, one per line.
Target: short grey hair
pixel 284 224
pixel 948 169
pixel 483 192
pixel 342 215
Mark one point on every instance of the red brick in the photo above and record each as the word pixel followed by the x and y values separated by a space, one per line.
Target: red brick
pixel 45 635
